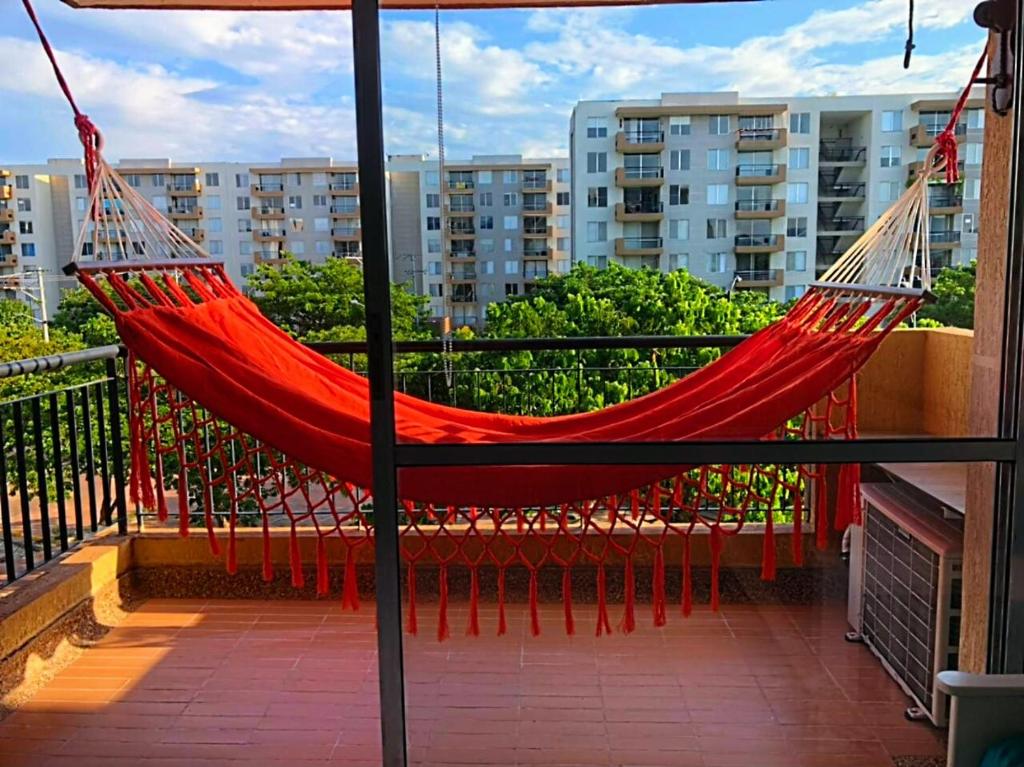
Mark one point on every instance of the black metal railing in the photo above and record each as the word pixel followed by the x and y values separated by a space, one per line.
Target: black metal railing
pixel 755 169
pixel 945 201
pixel 759 134
pixel 637 243
pixel 756 240
pixel 841 190
pixel 944 236
pixel 653 206
pixel 841 224
pixel 641 173
pixel 345 185
pixel 269 186
pixel 62 454
pixel 751 206
pixel 840 152
pixel 644 136
pixel 755 275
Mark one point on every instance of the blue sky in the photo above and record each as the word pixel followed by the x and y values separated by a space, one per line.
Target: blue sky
pixel 237 86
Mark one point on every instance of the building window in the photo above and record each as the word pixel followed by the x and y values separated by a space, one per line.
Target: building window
pixel 213 179
pixel 216 248
pixel 511 199
pixel 24 205
pixel 433 223
pixel 486 199
pixel 562 243
pixel 800 122
pixel 212 202
pixel 972 189
pixel 433 245
pixel 511 222
pixel 563 265
pixel 25 227
pixel 323 247
pixel 434 268
pixel 970 224
pixel 796 260
pixel 679 159
pixel 562 198
pixel 678 194
pixel 975 119
pixel 679 125
pixel 892 121
pixel 244 225
pixel 718 194
pixel 796 192
pixel 794 292
pixel 80 181
pixel 678 261
pixel 972 154
pixel 563 175
pixel 718 125
pixel 321 225
pixel 597 231
pixel 320 179
pixel 511 288
pixel 799 158
pixel 485 245
pixel 242 203
pixel 28 249
pixel 488 266
pixel 241 180
pixel 890 156
pixel 511 267
pixel 718 159
pixel 133 180
pixel 796 226
pixel 319 200
pixel 486 222
pixel 716 228
pixel 21 182
pixel 597 261
pixel 80 204
pixel 888 191
pixel 431 178
pixel 433 200
pixel 508 244
pixel 484 177
pixel 562 222
pixel 679 229
pixel 298 247
pixel 436 291
pixel 597 197
pixel 716 262
pixel 295 201
pixel 597 127
pixel 215 225
pixel 597 162
pixel 157 179
pixel 510 176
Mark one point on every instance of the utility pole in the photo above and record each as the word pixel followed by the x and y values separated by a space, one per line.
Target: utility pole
pixel 43 315
pixel 36 294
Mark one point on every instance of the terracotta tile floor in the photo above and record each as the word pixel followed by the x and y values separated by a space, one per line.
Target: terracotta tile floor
pixel 294 683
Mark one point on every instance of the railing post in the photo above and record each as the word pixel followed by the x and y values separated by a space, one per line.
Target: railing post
pixel 114 398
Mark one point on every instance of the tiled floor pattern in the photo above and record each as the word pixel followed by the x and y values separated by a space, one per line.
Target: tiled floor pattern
pixel 218 683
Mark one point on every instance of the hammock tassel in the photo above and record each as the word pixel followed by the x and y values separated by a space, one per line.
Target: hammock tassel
pixel 628 623
pixel 634 504
pixel 208 515
pixel 768 567
pixel 442 608
pixel 716 543
pixel 268 567
pixel 323 586
pixel 604 626
pixel 658 588
pixel 520 521
pixel 411 624
pixel 502 622
pixel 534 615
pixel 184 504
pixel 295 560
pixel 821 510
pixel 474 604
pixel 350 589
pixel 848 496
pixel 798 523
pixel 570 623
pixel 687 577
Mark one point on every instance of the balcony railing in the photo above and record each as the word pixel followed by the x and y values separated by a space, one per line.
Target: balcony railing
pixel 841 190
pixel 757 170
pixel 931 129
pixel 462 254
pixel 460 183
pixel 461 229
pixel 644 136
pixel 829 151
pixel 537 253
pixel 945 201
pixel 759 134
pixel 841 224
pixel 640 173
pixel 755 275
pixel 268 187
pixel 757 206
pixel 652 206
pixel 342 186
pixel 462 208
pixel 944 236
pixel 535 207
pixel 756 240
pixel 353 209
pixel 463 274
pixel 269 210
pixel 345 231
pixel 535 273
pixel 640 243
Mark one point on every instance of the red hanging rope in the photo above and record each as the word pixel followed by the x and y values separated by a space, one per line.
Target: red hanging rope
pixel 948 149
pixel 88 134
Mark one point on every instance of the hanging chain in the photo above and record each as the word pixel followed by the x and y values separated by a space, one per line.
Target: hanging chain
pixel 446 327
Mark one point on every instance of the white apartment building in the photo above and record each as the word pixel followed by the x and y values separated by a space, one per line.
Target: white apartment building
pixel 760 193
pixel 505 223
pixel 242 213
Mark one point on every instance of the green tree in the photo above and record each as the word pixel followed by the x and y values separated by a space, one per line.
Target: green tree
pixel 954 293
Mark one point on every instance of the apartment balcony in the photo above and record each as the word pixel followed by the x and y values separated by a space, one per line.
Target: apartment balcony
pixel 270 257
pixel 628 178
pixel 534 209
pixel 759 278
pixel 268 211
pixel 946 239
pixel 945 204
pixel 6 192
pixel 462 275
pixel 460 210
pixel 923 136
pixel 178 212
pixel 343 188
pixel 640 142
pixel 353 257
pixel 626 212
pixel 537 185
pixel 537 254
pixel 345 211
pixel 638 246
pixel 6 215
pixel 345 233
pixel 8 237
pixel 8 259
pixel 465 295
pixel 461 233
pixel 838 152
pixel 852 192
pixel 265 188
pixel 268 235
pixel 462 256
pixel 182 189
pixel 538 232
pixel 760 139
pixel 465 185
pixel 937 179
pixel 841 225
pixel 195 234
pixel 535 272
pixel 756 175
pixel 752 244
pixel 754 209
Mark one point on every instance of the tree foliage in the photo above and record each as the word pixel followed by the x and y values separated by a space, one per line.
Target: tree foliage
pixel 954 293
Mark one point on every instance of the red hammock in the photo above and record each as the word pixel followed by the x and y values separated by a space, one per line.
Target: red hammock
pixel 262 425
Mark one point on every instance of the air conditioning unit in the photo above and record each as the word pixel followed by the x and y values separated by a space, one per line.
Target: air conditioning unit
pixel 905 590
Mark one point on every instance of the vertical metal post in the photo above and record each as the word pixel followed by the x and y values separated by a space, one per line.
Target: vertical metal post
pixel 114 396
pixel 380 368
